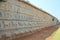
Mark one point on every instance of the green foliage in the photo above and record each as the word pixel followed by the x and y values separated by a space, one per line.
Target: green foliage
pixel 2 0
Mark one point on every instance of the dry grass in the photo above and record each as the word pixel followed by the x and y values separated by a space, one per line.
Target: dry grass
pixel 55 35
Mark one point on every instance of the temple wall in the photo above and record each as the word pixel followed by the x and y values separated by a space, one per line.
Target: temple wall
pixel 18 17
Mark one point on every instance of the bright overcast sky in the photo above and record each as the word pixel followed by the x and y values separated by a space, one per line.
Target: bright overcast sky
pixel 51 6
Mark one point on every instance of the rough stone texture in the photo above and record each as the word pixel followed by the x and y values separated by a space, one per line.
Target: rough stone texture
pixel 37 35
pixel 19 17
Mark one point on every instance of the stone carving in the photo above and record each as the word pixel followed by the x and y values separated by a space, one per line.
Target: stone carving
pixel 6 24
pixel 1 25
pixel 0 14
pixel 20 24
pixel 19 16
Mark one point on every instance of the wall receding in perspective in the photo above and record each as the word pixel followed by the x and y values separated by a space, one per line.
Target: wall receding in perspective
pixel 18 17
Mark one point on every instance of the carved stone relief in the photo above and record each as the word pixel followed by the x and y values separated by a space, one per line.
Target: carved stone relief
pixel 1 25
pixel 0 14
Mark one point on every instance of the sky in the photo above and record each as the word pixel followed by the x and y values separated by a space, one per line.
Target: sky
pixel 50 6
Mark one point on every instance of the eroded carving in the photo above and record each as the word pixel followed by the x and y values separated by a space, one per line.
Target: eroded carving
pixel 0 14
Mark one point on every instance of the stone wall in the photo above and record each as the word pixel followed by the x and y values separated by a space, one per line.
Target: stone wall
pixel 18 17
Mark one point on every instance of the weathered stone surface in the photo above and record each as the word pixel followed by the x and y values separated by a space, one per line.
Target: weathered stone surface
pixel 18 17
